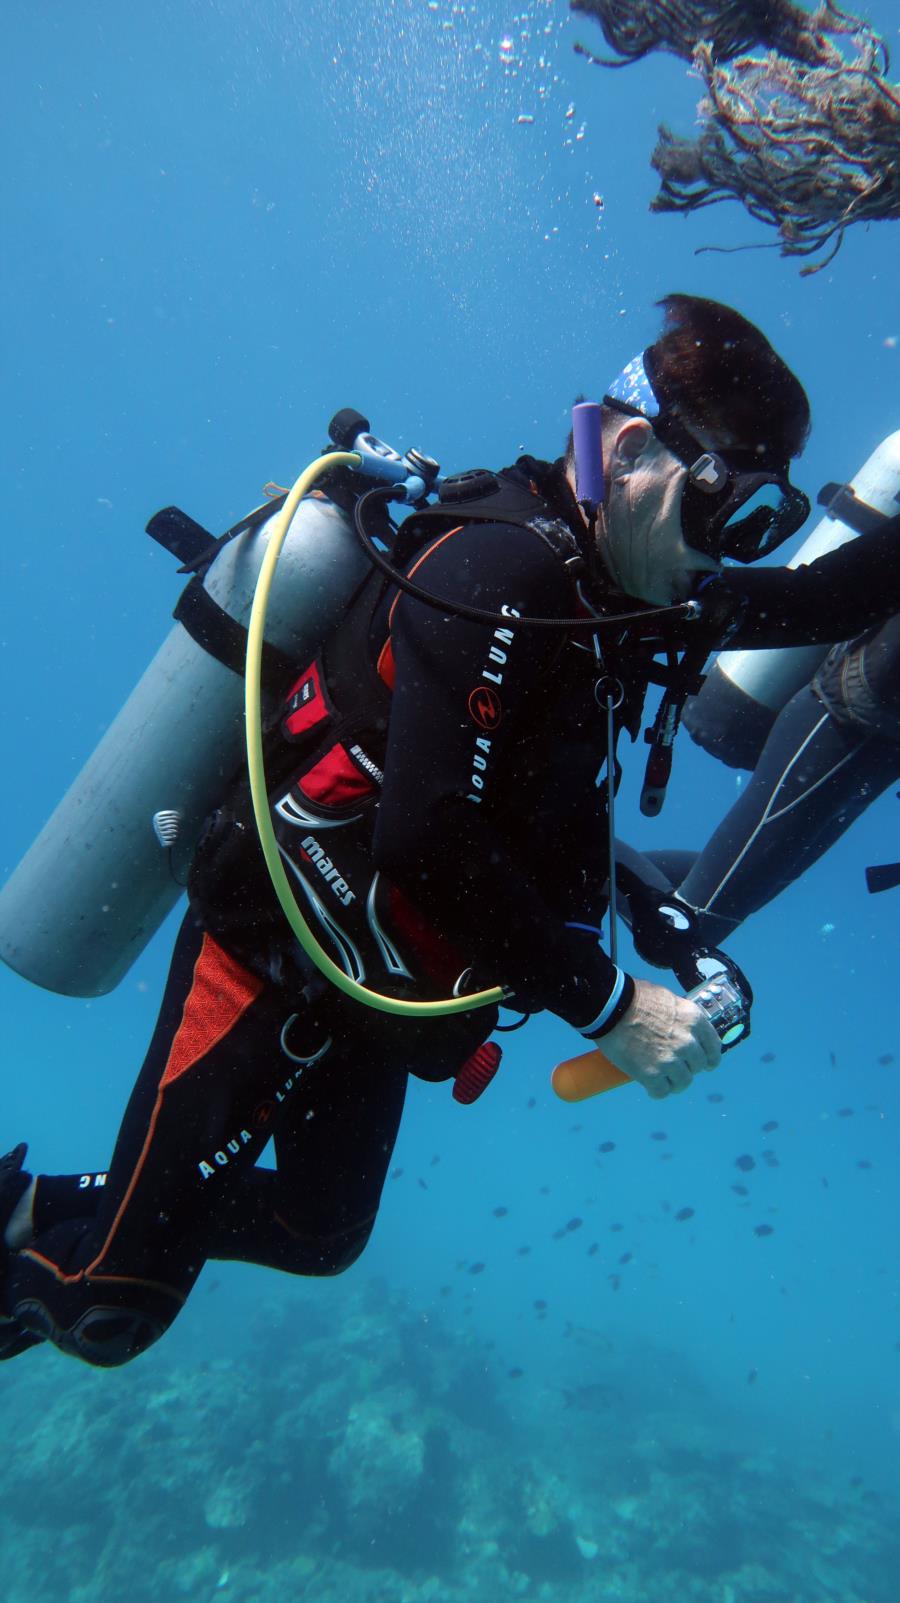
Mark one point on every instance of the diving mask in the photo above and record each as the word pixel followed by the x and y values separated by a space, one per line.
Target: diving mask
pixel 733 505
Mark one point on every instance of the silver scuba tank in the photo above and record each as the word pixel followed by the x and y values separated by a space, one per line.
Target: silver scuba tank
pixel 746 690
pixel 110 862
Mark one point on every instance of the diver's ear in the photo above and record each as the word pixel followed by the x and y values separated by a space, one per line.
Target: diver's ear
pixel 633 439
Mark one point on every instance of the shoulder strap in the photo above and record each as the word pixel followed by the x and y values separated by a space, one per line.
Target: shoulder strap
pixel 479 496
pixel 218 634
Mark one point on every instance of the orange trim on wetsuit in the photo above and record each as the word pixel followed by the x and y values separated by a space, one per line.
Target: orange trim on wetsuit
pixel 221 992
pixel 386 667
pixel 435 545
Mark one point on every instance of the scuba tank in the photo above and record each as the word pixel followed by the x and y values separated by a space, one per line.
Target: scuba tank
pixel 746 690
pixel 111 861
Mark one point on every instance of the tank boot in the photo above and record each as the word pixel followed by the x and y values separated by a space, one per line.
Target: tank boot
pixel 14 1182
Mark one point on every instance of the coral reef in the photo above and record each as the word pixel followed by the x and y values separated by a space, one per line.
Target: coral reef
pixel 376 1458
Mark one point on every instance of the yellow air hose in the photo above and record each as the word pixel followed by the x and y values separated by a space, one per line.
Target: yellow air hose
pixel 258 791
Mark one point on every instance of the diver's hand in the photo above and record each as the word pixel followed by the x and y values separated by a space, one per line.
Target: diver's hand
pixel 662 1041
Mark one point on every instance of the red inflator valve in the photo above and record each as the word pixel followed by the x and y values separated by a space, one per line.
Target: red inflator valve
pixel 477 1072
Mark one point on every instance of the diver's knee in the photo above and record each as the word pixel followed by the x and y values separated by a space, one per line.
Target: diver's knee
pixel 331 1255
pixel 353 1246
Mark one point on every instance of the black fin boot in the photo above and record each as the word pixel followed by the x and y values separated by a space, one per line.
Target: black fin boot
pixel 14 1182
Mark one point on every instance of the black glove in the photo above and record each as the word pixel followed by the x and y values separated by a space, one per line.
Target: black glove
pixel 668 933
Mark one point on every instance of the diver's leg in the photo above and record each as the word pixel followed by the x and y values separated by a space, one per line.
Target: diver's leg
pixel 313 1215
pixel 316 1213
pixel 814 777
pixel 104 1287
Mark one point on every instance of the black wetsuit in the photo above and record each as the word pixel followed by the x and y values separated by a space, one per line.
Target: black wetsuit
pixel 831 752
pixel 479 843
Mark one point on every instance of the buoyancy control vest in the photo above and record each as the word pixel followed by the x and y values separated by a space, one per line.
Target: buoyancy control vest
pixel 324 759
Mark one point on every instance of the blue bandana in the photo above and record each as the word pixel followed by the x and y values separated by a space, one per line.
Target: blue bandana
pixel 633 388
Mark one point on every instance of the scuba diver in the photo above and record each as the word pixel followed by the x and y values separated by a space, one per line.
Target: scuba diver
pixel 832 750
pixel 431 803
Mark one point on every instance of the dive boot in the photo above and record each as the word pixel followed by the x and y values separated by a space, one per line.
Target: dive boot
pixel 14 1182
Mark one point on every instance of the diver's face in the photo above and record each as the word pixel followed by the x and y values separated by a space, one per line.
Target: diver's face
pixel 642 545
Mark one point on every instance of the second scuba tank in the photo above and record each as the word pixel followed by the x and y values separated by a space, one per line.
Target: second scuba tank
pixel 746 690
pixel 109 864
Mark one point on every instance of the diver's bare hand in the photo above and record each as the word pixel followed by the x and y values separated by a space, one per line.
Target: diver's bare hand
pixel 662 1041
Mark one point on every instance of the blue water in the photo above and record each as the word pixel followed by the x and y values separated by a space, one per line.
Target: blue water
pixel 223 221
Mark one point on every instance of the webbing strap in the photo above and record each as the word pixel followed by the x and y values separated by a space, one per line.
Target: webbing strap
pixel 216 632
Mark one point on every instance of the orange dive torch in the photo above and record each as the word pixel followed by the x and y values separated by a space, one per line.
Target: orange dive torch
pixel 726 1004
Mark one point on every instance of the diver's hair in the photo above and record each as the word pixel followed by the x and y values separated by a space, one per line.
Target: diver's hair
pixel 718 372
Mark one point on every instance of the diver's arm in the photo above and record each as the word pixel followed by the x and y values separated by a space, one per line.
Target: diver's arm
pixel 464 698
pixel 834 598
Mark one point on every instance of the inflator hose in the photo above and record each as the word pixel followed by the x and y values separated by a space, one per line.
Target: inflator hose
pixel 258 791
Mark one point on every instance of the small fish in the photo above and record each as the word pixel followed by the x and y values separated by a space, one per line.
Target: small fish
pixel 845 1113
pixel 615 1281
pixel 501 1212
pixel 396 1173
pixel 626 1257
pixel 616 1226
pixel 446 1291
pixel 558 1234
pixel 769 1126
pixel 515 1374
pixel 544 1191
pixel 575 1224
pixel 833 1059
pixel 574 1128
pixel 422 1184
pixel 607 1146
pixel 771 1161
pixel 532 1102
pixel 658 1135
pixel 767 1057
pixel 476 1268
pixel 745 1162
pixel 593 1248
pixel 714 1096
pixel 539 1303
pixel 752 1375
pixel 885 1059
pixel 763 1230
pixel 684 1213
pixel 863 1163
pixel 741 1191
pixel 522 1252
pixel 436 1159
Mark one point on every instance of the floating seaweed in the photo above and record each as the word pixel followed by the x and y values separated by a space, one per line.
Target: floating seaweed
pixel 806 136
pixel 633 28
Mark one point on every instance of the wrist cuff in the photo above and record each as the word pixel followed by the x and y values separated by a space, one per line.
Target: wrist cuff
pixel 619 1001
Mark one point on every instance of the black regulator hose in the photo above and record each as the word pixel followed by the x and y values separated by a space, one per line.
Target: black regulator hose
pixel 685 612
